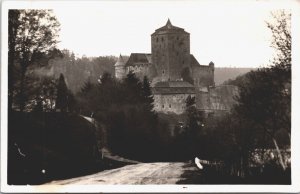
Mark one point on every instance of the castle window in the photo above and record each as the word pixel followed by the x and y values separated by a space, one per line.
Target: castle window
pixel 177 38
pixel 156 39
pixel 162 39
pixel 169 105
pixel 163 72
pixel 163 106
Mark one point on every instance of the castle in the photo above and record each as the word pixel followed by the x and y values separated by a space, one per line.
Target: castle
pixel 176 74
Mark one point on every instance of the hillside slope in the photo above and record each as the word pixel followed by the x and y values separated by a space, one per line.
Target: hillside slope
pixel 224 73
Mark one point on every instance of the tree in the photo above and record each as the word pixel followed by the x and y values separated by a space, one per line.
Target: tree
pixel 71 102
pixel 62 94
pixel 36 33
pixel 281 70
pixel 13 25
pixel 87 87
pixel 42 93
pixel 280 27
pixel 264 101
pixel 147 94
pixel 133 88
pixel 194 123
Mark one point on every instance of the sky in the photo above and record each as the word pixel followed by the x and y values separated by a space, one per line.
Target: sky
pixel 229 33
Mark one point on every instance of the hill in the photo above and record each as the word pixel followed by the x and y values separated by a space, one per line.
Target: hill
pixel 225 73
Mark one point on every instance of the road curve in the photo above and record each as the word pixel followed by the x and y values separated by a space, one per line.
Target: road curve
pixel 143 173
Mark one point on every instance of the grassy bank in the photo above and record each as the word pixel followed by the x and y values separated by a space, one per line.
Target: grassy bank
pixel 50 145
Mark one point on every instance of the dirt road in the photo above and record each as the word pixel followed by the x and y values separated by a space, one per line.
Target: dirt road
pixel 143 173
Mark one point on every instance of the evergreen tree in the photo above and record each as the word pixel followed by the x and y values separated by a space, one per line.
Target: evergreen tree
pixel 193 127
pixel 86 87
pixel 132 88
pixel 106 78
pixel 62 94
pixel 71 103
pixel 147 94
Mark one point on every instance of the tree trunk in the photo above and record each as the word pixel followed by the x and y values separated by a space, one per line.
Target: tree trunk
pixel 279 154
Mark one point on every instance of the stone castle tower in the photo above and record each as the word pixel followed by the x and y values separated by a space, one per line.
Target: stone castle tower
pixel 170 49
pixel 175 73
pixel 120 68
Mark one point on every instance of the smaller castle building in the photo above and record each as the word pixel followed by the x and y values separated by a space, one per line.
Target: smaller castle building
pixel 171 96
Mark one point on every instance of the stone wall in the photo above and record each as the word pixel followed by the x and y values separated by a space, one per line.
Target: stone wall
pixel 203 76
pixel 142 70
pixel 167 103
pixel 220 98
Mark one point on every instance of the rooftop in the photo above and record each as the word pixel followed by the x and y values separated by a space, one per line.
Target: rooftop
pixel 120 61
pixel 138 58
pixel 168 28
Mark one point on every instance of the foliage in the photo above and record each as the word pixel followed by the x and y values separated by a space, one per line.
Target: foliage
pixel 32 41
pixel 62 94
pixel 125 109
pixel 280 27
pixel 264 102
pixel 78 70
pixel 262 118
pixel 13 25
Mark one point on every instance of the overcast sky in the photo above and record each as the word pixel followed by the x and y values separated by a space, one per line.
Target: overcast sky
pixel 229 33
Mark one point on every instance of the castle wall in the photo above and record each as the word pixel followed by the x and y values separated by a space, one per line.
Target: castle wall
pixel 221 98
pixel 175 103
pixel 139 70
pixel 203 76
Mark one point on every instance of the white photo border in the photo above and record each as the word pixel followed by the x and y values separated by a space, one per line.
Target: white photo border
pixel 294 5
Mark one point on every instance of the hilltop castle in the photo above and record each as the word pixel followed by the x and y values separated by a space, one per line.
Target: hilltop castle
pixel 175 73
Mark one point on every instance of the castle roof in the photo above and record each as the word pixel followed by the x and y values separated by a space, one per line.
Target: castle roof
pixel 138 59
pixel 173 87
pixel 120 61
pixel 168 28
